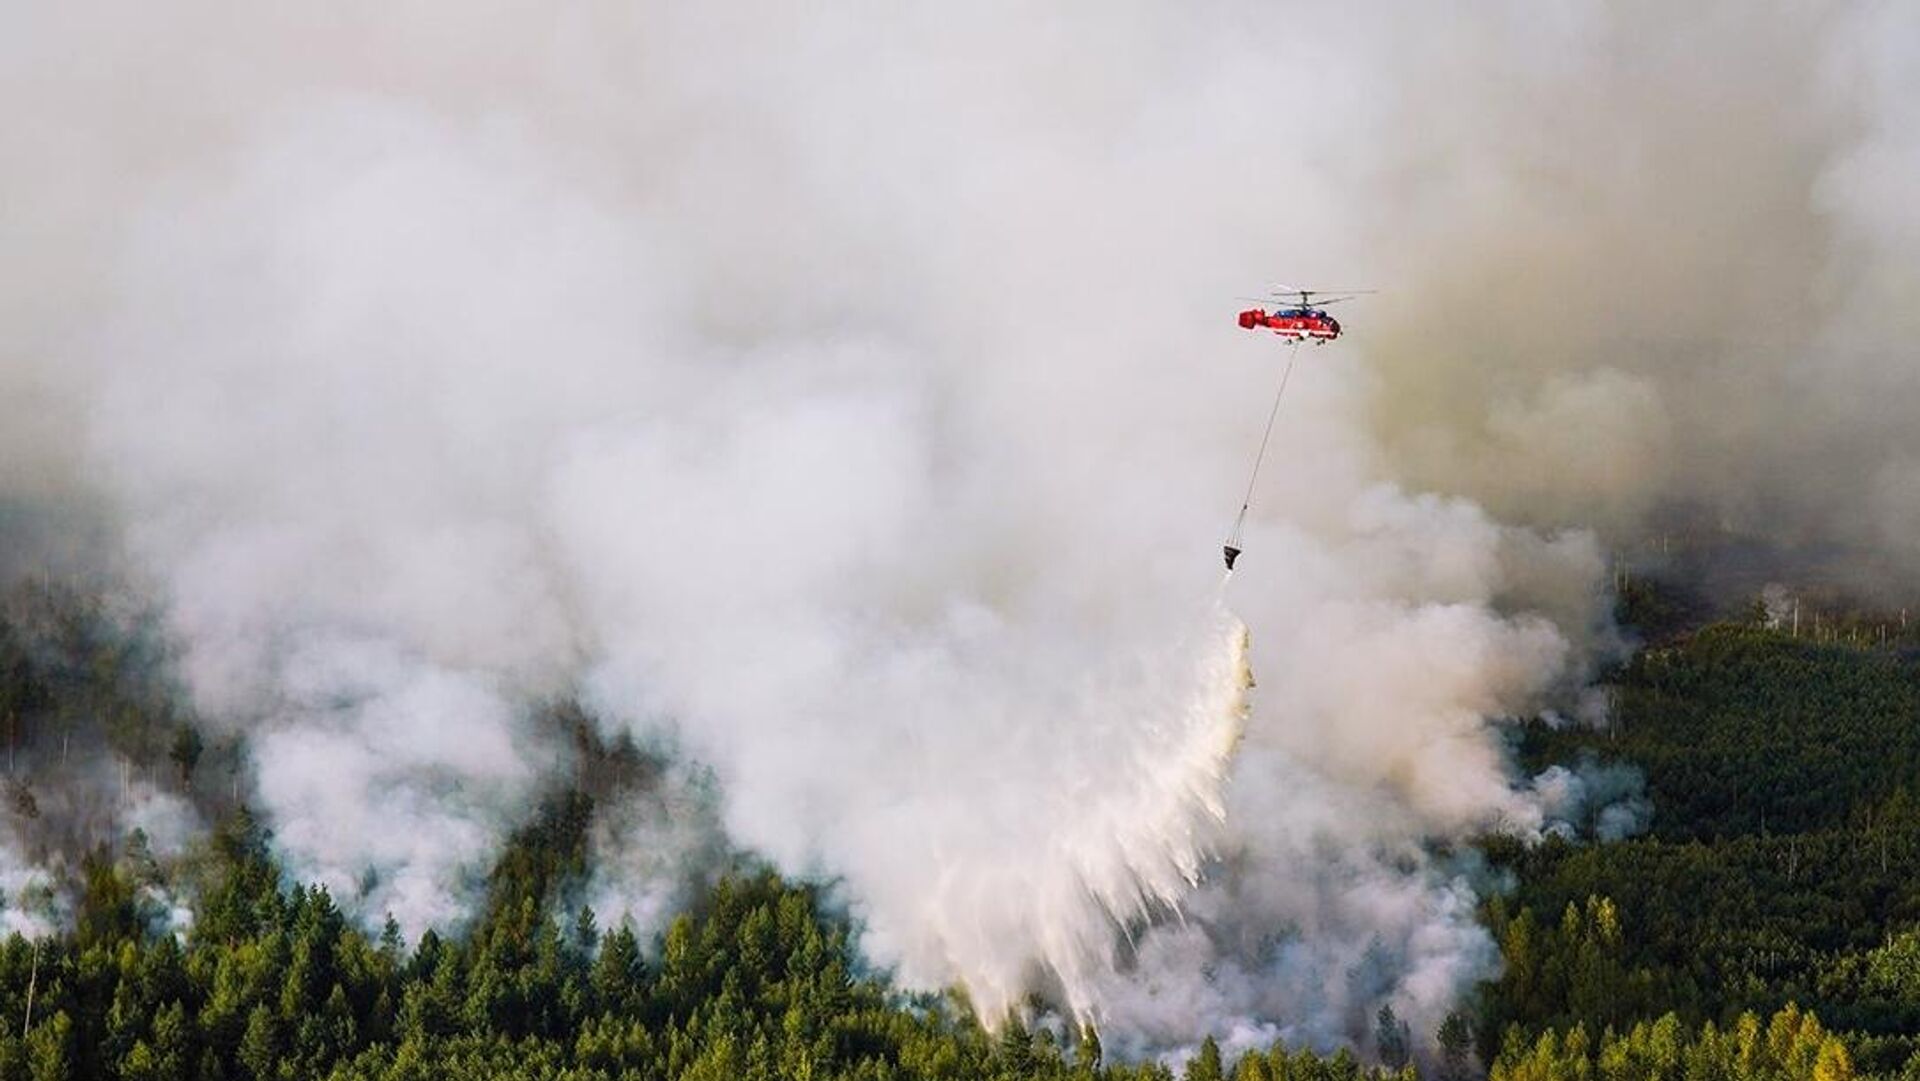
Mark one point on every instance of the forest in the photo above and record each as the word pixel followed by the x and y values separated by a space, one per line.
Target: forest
pixel 1766 926
pixel 1780 868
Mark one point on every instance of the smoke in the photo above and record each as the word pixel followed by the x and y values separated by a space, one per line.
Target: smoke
pixel 1607 802
pixel 85 716
pixel 391 779
pixel 30 904
pixel 97 805
pixel 654 841
pixel 850 401
pixel 1676 283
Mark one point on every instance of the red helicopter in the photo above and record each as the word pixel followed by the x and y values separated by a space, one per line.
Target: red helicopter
pixel 1303 321
pixel 1296 322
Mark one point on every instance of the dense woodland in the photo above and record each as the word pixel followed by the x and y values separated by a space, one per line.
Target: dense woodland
pixel 1766 927
pixel 1783 863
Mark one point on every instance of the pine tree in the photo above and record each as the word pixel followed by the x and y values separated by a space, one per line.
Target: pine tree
pixel 617 971
pixel 185 751
pixel 1252 1067
pixel 13 1054
pixel 1205 1065
pixel 1016 1048
pixel 260 1047
pixel 1390 1038
pixel 1456 1048
pixel 50 1050
pixel 169 1044
pixel 1833 1064
pixel 1090 1052
pixel 139 1064
pixel 586 932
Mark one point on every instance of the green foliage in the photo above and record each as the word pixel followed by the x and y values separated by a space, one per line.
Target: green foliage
pixel 1745 730
pixel 1455 1043
pixel 1392 1039
pixel 186 750
pixel 1783 865
pixel 1659 609
pixel 757 981
pixel 1205 1064
pixel 1791 1046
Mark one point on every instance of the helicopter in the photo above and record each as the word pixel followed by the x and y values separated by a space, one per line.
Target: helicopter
pixel 1304 319
pixel 1299 320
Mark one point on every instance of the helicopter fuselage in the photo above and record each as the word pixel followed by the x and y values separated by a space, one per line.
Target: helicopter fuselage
pixel 1295 324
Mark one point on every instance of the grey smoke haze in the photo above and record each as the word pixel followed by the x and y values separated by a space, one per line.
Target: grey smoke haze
pixel 853 400
pixel 1677 269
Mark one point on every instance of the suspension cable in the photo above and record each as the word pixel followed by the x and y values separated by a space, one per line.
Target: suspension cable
pixel 1239 522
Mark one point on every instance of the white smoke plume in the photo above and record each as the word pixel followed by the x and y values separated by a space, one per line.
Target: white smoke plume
pixel 1605 801
pixel 391 779
pixel 46 827
pixel 851 400
pixel 30 903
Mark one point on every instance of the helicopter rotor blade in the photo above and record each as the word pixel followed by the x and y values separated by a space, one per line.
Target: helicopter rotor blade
pixel 1308 298
pixel 1310 301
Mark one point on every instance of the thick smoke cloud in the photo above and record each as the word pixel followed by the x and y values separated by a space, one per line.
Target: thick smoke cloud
pixel 1676 275
pixel 850 401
